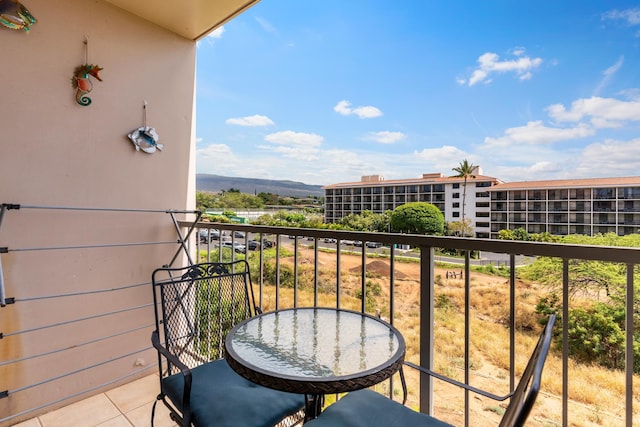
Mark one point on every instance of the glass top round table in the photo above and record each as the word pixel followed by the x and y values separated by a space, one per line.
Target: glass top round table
pixel 315 350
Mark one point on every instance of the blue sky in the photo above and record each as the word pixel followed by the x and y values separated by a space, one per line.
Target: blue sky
pixel 325 91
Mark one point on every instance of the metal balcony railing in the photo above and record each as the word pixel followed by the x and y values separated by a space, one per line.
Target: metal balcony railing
pixel 300 269
pixel 425 253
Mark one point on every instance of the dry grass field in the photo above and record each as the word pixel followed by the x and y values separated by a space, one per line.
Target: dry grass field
pixel 596 394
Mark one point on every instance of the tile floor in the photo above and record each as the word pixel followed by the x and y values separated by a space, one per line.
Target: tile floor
pixel 126 406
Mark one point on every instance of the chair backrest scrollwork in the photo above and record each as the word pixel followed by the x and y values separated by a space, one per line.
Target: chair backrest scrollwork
pixel 196 306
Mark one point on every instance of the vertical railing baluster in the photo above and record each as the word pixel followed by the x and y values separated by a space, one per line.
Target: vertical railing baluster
pixel 261 283
pixel 278 273
pixel 391 303
pixel 363 275
pixel 338 273
pixel 315 271
pixel 629 347
pixel 295 262
pixel 565 342
pixel 392 276
pixel 426 326
pixel 467 334
pixel 512 322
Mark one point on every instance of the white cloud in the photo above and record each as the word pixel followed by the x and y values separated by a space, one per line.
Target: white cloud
pixel 535 132
pixel 266 25
pixel 527 172
pixel 633 94
pixel 630 16
pixel 489 63
pixel 343 108
pixel 366 112
pixel 447 154
pixel 289 137
pixel 602 112
pixel 296 145
pixel 385 137
pixel 218 159
pixel 214 35
pixel 608 74
pixel 214 151
pixel 256 120
pixel 609 158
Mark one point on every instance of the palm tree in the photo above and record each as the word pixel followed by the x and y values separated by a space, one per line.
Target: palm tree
pixel 465 170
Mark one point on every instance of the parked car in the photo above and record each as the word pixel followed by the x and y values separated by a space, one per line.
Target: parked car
pixel 265 243
pixel 357 243
pixel 238 235
pixel 208 234
pixel 374 244
pixel 268 244
pixel 329 240
pixel 237 247
pixel 252 245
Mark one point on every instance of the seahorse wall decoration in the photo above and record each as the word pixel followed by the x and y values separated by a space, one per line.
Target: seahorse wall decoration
pixel 82 84
pixel 16 16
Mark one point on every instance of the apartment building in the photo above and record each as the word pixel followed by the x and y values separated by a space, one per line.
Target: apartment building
pixel 560 207
pixel 376 194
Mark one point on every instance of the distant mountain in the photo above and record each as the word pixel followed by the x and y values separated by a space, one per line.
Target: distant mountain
pixel 215 183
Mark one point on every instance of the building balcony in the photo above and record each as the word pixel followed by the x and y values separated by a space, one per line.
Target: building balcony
pixel 93 344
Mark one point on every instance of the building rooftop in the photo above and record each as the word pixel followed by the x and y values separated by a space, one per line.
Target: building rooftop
pixel 438 178
pixel 425 179
pixel 569 183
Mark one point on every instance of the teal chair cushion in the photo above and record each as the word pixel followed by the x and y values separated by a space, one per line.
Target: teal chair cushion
pixel 366 408
pixel 220 397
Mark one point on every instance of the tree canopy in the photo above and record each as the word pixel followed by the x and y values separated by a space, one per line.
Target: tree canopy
pixel 367 221
pixel 419 218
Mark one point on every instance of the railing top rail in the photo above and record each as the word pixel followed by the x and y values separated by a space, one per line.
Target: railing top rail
pixel 627 255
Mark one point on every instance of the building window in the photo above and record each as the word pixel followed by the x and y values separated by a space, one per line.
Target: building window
pixel 455 214
pixel 456 204
pixel 456 185
pixel 456 195
pixel 604 193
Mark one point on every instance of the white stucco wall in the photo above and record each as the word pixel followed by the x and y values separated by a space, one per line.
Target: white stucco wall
pixel 54 152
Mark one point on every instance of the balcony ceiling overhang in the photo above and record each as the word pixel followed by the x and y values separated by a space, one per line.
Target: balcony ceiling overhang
pixel 192 19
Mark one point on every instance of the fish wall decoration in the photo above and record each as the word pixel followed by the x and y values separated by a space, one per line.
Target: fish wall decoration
pixel 145 138
pixel 15 15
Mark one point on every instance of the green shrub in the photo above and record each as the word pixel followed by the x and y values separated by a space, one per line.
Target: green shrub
pixel 287 277
pixel 595 334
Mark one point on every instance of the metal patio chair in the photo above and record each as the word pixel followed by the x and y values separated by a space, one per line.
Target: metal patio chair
pixel 366 408
pixel 195 307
